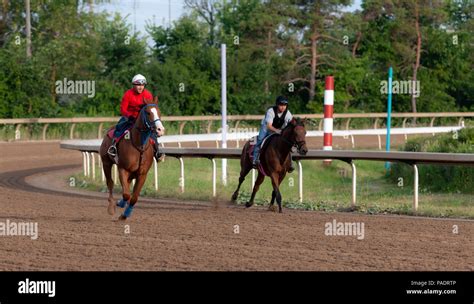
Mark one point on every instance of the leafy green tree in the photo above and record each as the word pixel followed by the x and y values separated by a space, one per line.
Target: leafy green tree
pixel 273 47
pixel 185 68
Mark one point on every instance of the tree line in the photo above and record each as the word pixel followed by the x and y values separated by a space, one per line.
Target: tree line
pixel 274 47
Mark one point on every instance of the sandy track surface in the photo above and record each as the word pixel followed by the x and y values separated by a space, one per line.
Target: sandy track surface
pixel 76 233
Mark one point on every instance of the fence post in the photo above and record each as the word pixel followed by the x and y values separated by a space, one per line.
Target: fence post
pixel 93 165
pixel 209 125
pixel 389 116
pixel 88 168
pixel 17 132
pixel 99 131
pixel 354 184
pixel 45 127
pixel 71 132
pixel 101 169
pixel 224 109
pixel 328 114
pixel 181 127
pixel 84 163
pixel 415 188
pixel 300 180
pixel 214 177
pixel 181 179
pixel 155 167
pixel 253 179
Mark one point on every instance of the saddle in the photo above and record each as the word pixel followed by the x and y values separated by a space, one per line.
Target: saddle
pixel 111 131
pixel 110 134
pixel 263 146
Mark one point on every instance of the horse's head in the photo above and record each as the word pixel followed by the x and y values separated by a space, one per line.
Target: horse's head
pixel 150 117
pixel 298 135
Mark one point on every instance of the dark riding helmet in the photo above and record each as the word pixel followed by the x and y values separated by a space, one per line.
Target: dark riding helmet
pixel 281 100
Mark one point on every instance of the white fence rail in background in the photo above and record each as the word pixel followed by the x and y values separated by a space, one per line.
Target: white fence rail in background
pixel 348 117
pixel 244 136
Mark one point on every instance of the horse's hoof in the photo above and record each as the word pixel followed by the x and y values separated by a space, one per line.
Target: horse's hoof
pixel 234 198
pixel 121 203
pixel 122 218
pixel 111 208
pixel 248 204
pixel 272 208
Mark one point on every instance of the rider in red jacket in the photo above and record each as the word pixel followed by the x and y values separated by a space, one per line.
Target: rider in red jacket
pixel 132 101
pixel 130 107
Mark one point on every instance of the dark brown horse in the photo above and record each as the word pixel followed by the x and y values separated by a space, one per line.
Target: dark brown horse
pixel 135 155
pixel 275 160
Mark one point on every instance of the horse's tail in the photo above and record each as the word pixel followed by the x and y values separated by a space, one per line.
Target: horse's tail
pixel 245 158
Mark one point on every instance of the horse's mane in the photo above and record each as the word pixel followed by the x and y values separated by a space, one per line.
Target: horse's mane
pixel 299 121
pixel 296 121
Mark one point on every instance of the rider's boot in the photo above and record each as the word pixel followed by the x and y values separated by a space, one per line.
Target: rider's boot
pixel 256 160
pixel 158 155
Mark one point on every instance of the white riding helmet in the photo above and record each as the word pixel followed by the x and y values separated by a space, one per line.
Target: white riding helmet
pixel 139 79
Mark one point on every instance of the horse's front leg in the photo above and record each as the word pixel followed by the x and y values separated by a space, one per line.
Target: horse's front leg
pixel 258 182
pixel 140 181
pixel 273 200
pixel 243 173
pixel 276 191
pixel 107 167
pixel 124 176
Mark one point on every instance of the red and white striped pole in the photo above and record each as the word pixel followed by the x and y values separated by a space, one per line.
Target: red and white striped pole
pixel 328 115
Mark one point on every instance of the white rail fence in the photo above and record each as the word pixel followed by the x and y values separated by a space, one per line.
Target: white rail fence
pixel 345 120
pixel 242 137
pixel 89 148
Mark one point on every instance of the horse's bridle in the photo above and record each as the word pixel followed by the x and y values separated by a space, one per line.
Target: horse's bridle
pixel 297 144
pixel 148 125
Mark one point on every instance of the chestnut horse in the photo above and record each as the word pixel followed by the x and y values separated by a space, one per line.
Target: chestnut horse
pixel 135 157
pixel 274 159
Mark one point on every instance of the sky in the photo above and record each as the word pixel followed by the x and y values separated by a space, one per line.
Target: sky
pixel 141 11
pixel 160 12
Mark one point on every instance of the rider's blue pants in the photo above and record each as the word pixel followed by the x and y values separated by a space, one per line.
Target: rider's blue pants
pixel 261 136
pixel 123 124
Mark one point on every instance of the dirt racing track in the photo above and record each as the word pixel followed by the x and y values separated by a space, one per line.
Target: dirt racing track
pixel 76 233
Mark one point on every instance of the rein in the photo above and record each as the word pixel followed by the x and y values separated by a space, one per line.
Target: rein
pixel 145 132
pixel 297 144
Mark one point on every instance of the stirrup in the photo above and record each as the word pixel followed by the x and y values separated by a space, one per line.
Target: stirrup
pixel 159 157
pixel 112 151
